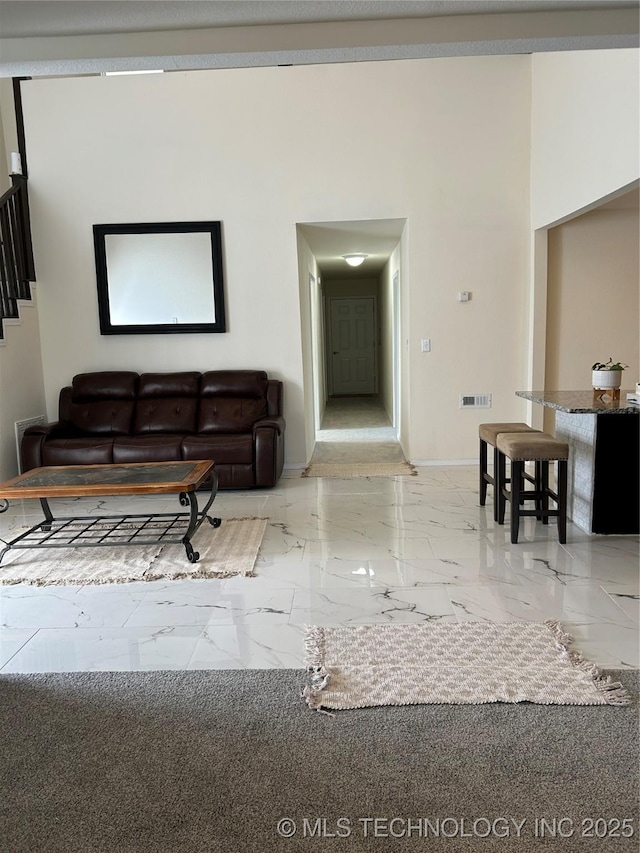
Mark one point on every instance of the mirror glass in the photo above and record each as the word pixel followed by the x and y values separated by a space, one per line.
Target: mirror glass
pixel 159 278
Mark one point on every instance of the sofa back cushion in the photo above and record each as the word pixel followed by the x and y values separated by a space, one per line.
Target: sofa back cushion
pixel 167 403
pixel 102 403
pixel 231 401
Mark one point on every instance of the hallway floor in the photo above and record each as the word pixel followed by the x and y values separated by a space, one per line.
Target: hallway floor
pixel 356 429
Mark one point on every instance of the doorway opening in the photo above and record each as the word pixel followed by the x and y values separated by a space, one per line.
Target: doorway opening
pixel 353 348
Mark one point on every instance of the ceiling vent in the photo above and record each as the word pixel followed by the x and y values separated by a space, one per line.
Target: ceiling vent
pixel 475 401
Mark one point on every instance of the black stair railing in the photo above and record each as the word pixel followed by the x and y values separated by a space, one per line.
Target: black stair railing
pixel 16 252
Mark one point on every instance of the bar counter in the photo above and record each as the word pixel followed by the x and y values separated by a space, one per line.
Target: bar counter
pixel 604 458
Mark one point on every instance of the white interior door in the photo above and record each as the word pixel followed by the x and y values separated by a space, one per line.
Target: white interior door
pixel 352 343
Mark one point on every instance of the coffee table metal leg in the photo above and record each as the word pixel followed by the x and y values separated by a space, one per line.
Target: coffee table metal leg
pixel 192 556
pixel 196 517
pixel 214 522
pixel 44 503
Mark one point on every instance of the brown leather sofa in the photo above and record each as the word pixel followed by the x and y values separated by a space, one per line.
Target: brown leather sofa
pixel 231 416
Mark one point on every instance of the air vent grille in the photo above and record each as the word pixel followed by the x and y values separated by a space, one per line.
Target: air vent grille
pixel 475 401
pixel 21 426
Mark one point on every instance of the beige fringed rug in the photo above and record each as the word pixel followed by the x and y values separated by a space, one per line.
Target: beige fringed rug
pixel 230 549
pixel 353 470
pixel 465 663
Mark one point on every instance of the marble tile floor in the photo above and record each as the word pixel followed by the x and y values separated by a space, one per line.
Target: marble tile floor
pixel 377 550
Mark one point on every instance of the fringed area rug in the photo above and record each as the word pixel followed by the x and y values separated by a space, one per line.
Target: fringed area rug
pixel 465 663
pixel 354 470
pixel 230 549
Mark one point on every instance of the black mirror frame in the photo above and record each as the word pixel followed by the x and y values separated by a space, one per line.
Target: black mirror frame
pixel 107 328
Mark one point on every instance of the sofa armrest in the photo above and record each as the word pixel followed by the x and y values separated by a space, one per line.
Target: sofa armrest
pixel 277 423
pixel 268 449
pixel 33 439
pixel 52 429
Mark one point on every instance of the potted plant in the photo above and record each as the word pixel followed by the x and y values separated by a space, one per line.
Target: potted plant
pixel 607 375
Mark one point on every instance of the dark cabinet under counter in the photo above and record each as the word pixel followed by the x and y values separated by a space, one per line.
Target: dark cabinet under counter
pixel 604 458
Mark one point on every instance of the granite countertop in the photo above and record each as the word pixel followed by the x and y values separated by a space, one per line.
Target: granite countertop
pixel 581 402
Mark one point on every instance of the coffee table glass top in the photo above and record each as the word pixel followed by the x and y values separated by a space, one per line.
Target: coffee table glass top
pixel 109 479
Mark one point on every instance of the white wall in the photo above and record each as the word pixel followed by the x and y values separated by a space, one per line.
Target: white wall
pixel 585 146
pixel 311 341
pixel 21 383
pixel 584 140
pixel 8 134
pixel 5 163
pixel 593 297
pixel 388 331
pixel 262 149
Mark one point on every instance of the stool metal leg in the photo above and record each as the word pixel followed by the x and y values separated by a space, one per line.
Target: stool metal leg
pixel 501 478
pixel 483 472
pixel 544 490
pixel 497 483
pixel 562 501
pixel 517 468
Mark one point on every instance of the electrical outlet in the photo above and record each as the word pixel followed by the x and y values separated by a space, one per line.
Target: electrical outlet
pixel 425 345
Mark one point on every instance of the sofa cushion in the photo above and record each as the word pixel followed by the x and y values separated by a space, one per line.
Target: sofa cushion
pixel 173 414
pixel 223 449
pixel 167 403
pixel 225 415
pixel 78 451
pixel 104 385
pixel 102 403
pixel 105 417
pixel 234 383
pixel 232 401
pixel 147 448
pixel 169 385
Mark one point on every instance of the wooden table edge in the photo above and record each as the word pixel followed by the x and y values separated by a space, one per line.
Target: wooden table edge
pixel 189 483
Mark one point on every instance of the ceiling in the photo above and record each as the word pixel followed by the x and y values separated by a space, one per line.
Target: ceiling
pixel 70 37
pixel 329 241
pixel 42 18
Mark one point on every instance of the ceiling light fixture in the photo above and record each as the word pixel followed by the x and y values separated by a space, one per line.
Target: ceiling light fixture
pixel 356 259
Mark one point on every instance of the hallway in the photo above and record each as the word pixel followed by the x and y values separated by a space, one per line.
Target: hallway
pixel 356 429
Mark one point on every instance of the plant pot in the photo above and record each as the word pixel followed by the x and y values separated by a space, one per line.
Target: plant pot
pixel 602 379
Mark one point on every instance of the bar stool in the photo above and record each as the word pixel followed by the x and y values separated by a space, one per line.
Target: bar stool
pixel 541 448
pixel 488 434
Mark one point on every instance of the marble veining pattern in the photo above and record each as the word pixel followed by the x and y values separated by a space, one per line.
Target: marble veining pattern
pixel 336 552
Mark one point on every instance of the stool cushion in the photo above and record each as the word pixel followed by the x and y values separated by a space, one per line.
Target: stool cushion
pixel 531 446
pixel 489 432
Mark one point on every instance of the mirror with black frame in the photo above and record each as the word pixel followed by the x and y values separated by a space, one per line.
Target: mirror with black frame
pixel 159 278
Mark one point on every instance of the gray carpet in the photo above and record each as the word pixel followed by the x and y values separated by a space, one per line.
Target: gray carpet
pixel 211 761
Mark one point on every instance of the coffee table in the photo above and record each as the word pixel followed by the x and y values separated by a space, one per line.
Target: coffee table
pixel 139 478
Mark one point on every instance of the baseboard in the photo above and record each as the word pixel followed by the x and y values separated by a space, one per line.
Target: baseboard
pixel 419 463
pixel 435 463
pixel 292 469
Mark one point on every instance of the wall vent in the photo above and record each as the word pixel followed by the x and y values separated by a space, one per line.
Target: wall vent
pixel 475 401
pixel 21 426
